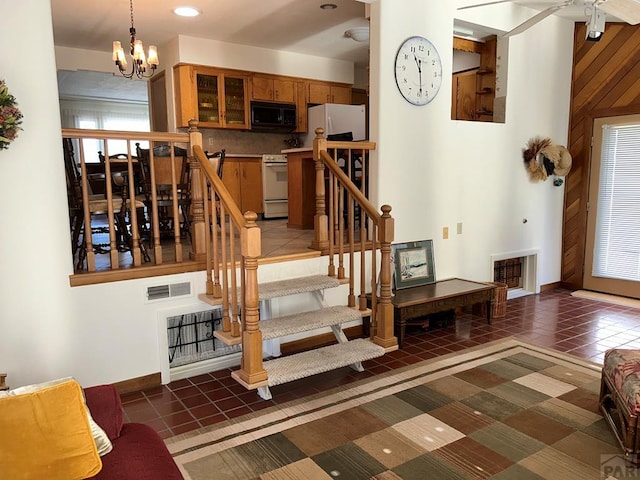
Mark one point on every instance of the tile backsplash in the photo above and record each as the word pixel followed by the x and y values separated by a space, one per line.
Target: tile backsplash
pixel 241 142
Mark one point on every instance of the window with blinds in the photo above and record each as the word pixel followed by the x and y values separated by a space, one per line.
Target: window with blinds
pixel 617 236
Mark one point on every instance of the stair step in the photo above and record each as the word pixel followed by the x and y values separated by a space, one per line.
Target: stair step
pixel 292 286
pixel 304 322
pixel 283 288
pixel 301 365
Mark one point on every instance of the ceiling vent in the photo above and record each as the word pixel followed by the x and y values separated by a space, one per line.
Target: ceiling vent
pixel 160 292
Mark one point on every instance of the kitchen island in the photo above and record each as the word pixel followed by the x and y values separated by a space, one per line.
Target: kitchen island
pixel 301 173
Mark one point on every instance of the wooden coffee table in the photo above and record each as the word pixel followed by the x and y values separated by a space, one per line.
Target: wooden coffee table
pixel 416 302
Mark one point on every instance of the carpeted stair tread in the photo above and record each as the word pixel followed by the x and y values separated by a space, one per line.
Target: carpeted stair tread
pixel 306 321
pixel 302 365
pixel 282 288
pixel 292 286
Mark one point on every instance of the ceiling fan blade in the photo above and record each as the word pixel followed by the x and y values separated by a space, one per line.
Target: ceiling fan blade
pixel 484 4
pixel 535 19
pixel 626 10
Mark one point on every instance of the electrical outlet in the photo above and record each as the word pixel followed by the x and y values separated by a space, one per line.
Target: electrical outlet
pixel 445 232
pixel 211 143
pixel 459 228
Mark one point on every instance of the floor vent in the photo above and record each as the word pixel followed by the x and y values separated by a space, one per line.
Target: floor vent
pixel 167 291
pixel 190 338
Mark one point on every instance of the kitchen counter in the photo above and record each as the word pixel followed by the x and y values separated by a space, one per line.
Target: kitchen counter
pixel 297 150
pixel 242 155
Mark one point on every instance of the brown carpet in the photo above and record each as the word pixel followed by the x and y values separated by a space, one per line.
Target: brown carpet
pixel 503 411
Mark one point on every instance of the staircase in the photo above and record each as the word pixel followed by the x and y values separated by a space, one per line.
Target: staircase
pixel 305 364
pixel 353 236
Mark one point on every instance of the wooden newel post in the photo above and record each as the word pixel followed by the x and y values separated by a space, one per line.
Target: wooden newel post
pixel 198 243
pixel 251 370
pixel 320 220
pixel 384 333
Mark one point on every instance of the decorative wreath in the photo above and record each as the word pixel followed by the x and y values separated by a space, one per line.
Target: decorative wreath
pixel 10 117
pixel 543 158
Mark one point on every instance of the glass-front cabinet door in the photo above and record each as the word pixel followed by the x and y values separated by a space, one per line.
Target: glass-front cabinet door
pixel 235 102
pixel 216 98
pixel 222 100
pixel 208 97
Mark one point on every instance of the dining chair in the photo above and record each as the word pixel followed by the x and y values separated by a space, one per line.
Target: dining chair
pixel 217 162
pixel 98 206
pixel 163 185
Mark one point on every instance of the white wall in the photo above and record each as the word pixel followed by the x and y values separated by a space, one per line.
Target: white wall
pixel 254 59
pixel 436 172
pixel 36 305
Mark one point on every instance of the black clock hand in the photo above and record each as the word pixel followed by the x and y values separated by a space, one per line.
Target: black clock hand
pixel 419 64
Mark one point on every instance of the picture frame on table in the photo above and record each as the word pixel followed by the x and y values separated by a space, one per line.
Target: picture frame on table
pixel 413 264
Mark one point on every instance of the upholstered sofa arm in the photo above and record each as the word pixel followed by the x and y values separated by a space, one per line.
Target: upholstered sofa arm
pixel 106 408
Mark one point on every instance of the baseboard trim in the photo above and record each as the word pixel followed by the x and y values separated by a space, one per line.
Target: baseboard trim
pixel 154 380
pixel 550 286
pixel 139 383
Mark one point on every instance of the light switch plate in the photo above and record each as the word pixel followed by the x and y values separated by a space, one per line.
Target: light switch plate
pixel 445 232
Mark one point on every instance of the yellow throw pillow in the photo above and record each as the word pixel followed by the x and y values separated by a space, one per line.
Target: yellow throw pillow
pixel 46 434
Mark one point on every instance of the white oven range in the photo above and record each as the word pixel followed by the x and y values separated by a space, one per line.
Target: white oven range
pixel 275 186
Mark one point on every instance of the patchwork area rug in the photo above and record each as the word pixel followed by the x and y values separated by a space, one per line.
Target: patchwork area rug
pixel 504 410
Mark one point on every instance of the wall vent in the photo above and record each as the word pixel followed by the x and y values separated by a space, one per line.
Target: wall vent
pixel 159 292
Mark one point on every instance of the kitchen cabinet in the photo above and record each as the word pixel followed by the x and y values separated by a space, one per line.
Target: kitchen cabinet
pixel 272 89
pixel 243 178
pixel 324 92
pixel 217 98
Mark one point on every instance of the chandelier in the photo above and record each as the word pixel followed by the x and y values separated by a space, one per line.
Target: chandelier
pixel 143 66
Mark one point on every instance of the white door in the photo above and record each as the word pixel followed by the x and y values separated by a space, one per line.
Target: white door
pixel 612 250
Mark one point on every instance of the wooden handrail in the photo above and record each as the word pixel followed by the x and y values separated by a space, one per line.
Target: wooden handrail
pixel 375 230
pixel 223 193
pixel 124 135
pixel 237 326
pixel 124 212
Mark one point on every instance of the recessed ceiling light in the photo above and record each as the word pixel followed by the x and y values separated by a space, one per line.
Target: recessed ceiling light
pixel 187 11
pixel 328 6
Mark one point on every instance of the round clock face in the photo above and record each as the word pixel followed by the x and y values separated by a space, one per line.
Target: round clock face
pixel 418 70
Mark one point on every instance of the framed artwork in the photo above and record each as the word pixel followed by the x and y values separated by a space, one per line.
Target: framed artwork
pixel 413 263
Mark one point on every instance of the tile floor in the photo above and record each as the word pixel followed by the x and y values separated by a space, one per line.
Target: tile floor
pixel 553 319
pixel 277 240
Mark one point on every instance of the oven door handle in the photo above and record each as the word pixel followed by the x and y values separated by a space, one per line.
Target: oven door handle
pixel 275 164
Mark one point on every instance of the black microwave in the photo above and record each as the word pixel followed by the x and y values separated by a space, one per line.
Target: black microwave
pixel 280 117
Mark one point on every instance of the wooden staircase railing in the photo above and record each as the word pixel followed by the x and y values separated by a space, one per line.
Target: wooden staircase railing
pixel 348 229
pixel 119 216
pixel 346 222
pixel 231 254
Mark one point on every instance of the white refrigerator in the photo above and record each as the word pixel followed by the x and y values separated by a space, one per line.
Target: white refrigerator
pixel 336 118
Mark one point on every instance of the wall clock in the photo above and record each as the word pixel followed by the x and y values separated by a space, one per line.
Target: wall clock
pixel 418 70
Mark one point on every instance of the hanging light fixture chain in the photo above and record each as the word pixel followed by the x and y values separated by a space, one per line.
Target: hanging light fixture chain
pixel 131 9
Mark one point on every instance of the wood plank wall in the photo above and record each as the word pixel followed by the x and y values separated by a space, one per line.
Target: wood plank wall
pixel 606 82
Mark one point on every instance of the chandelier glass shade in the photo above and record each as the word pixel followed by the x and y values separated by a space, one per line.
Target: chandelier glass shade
pixel 142 66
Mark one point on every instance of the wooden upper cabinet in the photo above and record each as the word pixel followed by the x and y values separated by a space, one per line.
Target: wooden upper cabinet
pixel 321 92
pixel 216 98
pixel 340 94
pixel 273 89
pixel 221 98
